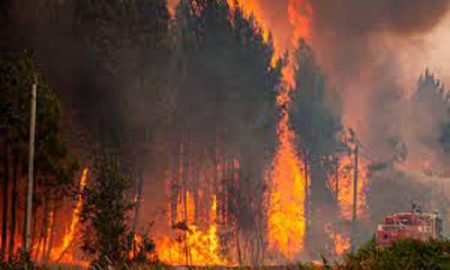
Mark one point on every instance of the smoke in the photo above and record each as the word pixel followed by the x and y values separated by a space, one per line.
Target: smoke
pixel 429 192
pixel 368 49
pixel 374 53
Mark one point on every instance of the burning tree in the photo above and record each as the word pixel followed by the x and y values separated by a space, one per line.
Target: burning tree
pixel 224 129
pixel 314 115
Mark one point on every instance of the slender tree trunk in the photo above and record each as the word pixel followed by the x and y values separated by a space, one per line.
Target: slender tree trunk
pixel 238 246
pixel 186 176
pixel 175 185
pixel 336 174
pixel 33 234
pixel 12 235
pixel 195 189
pixel 52 233
pixel 355 198
pixel 307 198
pixel 44 229
pixel 5 200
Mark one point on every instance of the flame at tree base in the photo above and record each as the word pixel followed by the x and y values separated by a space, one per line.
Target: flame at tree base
pixel 194 246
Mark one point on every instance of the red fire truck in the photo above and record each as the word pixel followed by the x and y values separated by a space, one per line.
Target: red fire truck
pixel 415 224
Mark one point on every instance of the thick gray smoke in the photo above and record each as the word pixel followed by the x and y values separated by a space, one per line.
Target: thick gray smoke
pixel 359 43
pixel 365 48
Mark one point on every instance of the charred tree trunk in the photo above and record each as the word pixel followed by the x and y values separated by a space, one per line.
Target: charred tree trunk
pixel 355 198
pixel 52 234
pixel 195 189
pixel 307 197
pixel 12 235
pixel 336 175
pixel 33 230
pixel 175 185
pixel 186 168
pixel 5 200
pixel 44 230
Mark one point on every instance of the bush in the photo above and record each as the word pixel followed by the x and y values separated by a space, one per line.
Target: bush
pixel 404 254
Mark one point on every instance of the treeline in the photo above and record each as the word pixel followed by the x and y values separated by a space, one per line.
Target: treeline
pixel 137 82
pixel 193 94
pixel 55 165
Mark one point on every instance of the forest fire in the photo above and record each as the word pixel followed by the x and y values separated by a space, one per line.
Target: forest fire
pixel 221 133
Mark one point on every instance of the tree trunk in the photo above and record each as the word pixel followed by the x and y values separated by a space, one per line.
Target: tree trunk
pixel 307 198
pixel 355 199
pixel 175 185
pixel 52 234
pixel 33 234
pixel 5 200
pixel 336 174
pixel 44 229
pixel 12 235
pixel 186 176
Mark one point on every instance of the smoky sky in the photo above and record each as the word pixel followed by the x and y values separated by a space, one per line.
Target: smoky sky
pixel 359 43
pixel 356 17
pixel 341 29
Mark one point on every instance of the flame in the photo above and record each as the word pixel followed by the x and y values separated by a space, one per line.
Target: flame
pixel 341 244
pixel 346 188
pixel 138 245
pixel 286 220
pixel 59 254
pixel 194 246
pixel 286 213
pixel 186 214
pixel 300 14
pixel 253 7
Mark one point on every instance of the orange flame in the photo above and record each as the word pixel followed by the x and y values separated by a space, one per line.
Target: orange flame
pixel 195 246
pixel 186 214
pixel 286 213
pixel 345 188
pixel 341 244
pixel 59 254
pixel 287 220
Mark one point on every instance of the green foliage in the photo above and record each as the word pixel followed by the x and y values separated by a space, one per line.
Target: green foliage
pixel 404 254
pixel 56 166
pixel 105 212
